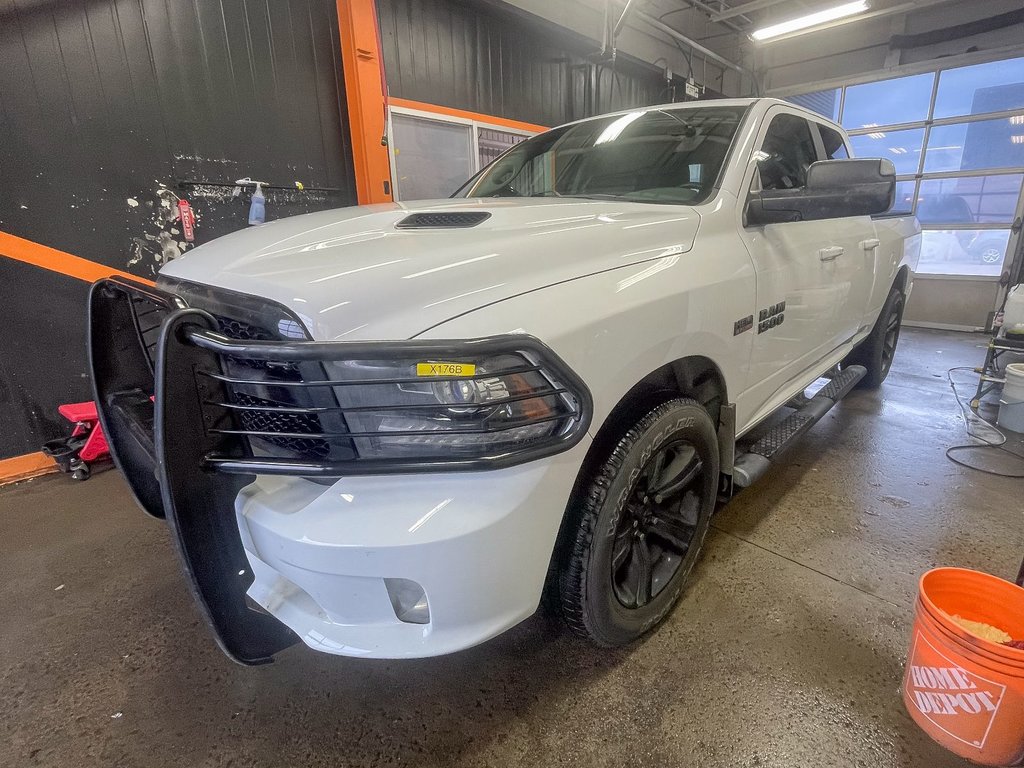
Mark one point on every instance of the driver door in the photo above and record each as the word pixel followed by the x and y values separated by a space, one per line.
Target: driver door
pixel 802 280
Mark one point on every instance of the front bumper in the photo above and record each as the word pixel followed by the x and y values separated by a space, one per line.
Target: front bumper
pixel 478 544
pixel 272 557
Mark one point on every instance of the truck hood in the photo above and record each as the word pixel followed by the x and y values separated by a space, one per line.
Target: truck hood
pixel 352 274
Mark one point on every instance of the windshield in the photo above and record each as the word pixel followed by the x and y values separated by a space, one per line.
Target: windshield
pixel 650 155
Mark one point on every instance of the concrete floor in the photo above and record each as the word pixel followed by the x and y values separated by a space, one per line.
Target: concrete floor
pixel 786 651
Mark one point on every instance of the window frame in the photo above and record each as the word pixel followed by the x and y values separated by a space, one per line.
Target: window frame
pixel 937 69
pixel 753 172
pixel 474 125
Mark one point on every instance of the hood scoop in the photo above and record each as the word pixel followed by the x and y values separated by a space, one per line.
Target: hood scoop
pixel 446 220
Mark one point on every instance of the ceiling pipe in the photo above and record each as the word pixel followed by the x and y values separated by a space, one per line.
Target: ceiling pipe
pixel 740 10
pixel 622 20
pixel 710 11
pixel 605 26
pixel 707 53
pixel 672 32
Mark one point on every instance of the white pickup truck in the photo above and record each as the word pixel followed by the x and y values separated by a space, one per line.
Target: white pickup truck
pixel 386 431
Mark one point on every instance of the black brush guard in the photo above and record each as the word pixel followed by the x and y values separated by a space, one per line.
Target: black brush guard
pixel 165 401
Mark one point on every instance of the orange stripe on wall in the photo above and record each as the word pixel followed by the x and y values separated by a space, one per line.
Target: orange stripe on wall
pixel 19 249
pixel 466 115
pixel 24 467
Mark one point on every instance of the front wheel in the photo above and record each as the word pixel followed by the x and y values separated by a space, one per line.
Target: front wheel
pixel 878 350
pixel 644 514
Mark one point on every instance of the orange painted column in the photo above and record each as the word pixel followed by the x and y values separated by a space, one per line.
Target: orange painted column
pixel 367 101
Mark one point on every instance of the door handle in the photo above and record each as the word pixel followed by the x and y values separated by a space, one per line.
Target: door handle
pixel 831 254
pixel 870 244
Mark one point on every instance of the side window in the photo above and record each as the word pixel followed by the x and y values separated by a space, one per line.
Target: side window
pixel 835 147
pixel 786 154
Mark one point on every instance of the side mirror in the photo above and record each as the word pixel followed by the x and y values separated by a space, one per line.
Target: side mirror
pixel 835 188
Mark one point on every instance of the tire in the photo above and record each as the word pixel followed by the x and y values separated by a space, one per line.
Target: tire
pixel 877 351
pixel 630 552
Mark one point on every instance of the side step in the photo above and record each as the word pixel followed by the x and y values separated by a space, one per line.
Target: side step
pixel 755 461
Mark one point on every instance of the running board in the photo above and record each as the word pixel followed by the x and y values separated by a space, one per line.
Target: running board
pixel 751 464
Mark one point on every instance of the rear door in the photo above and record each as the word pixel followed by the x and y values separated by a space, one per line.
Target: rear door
pixel 805 275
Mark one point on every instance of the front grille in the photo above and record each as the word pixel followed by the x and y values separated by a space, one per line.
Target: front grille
pixel 277 406
pixel 149 316
pixel 236 329
pixel 262 396
pixel 242 331
pixel 266 416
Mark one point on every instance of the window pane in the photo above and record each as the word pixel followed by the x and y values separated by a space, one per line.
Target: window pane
pixel 786 154
pixel 823 102
pixel 976 146
pixel 902 100
pixel 902 147
pixel 835 148
pixel 649 155
pixel 969 200
pixel 963 251
pixel 432 157
pixel 492 143
pixel 982 88
pixel 904 203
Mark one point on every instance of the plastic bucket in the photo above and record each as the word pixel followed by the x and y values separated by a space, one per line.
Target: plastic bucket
pixel 965 692
pixel 1011 404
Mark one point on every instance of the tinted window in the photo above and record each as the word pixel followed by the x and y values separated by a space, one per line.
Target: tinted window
pixel 786 154
pixel 835 148
pixel 650 155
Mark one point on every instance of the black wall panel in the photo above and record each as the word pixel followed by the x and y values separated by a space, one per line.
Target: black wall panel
pixel 104 104
pixel 42 354
pixel 476 56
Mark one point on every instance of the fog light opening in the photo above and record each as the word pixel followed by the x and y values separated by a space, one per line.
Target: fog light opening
pixel 409 601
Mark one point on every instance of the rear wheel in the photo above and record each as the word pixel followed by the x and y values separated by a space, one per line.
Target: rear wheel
pixel 644 514
pixel 878 350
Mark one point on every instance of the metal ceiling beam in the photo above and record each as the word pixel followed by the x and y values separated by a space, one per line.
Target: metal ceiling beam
pixel 711 12
pixel 675 33
pixel 739 10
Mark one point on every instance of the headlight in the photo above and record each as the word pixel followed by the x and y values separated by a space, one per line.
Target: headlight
pixel 336 408
pixel 456 407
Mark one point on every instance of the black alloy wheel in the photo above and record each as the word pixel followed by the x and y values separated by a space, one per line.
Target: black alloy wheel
pixel 634 528
pixel 892 334
pixel 658 525
pixel 878 350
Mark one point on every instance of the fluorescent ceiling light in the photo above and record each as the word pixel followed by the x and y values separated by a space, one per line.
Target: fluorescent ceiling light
pixel 810 20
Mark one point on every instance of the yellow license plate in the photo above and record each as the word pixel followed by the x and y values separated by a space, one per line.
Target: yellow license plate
pixel 445 369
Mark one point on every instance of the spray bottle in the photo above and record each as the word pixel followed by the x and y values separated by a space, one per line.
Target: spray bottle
pixel 258 206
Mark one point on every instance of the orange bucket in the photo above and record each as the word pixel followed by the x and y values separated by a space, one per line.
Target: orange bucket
pixel 965 692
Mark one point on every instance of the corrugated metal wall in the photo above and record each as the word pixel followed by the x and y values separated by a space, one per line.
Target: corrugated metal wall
pixel 474 56
pixel 104 101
